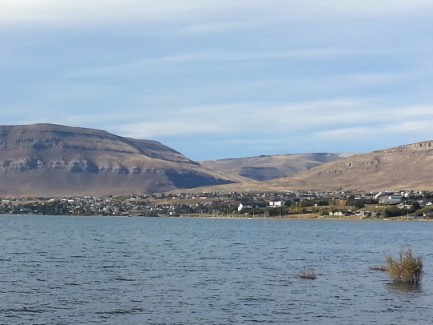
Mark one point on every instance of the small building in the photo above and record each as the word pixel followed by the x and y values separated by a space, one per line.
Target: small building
pixel 251 205
pixel 388 198
pixel 277 204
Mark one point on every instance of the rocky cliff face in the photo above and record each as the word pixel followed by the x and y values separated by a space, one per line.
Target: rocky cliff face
pixel 54 160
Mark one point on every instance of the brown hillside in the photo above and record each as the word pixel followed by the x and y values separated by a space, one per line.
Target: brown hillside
pixel 404 167
pixel 54 160
pixel 264 168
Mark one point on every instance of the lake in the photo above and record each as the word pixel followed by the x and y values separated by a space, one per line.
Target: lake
pixel 108 270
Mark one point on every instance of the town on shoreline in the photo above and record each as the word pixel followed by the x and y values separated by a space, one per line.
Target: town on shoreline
pixel 290 204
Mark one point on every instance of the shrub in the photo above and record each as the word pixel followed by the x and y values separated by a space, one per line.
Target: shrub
pixel 405 270
pixel 394 211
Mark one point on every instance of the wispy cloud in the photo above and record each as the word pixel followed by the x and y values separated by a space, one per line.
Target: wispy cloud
pixel 330 126
pixel 333 116
pixel 216 56
pixel 97 11
pixel 382 127
pixel 51 11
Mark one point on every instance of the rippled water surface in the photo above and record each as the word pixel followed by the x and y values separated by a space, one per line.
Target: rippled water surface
pixel 100 270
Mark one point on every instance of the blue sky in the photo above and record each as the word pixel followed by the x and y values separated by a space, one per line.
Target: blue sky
pixel 219 79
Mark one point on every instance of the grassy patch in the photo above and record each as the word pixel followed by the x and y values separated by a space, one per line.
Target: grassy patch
pixel 407 269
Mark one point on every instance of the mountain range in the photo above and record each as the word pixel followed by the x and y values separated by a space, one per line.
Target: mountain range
pixel 43 160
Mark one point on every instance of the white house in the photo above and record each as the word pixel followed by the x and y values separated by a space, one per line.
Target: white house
pixel 251 205
pixel 389 199
pixel 277 204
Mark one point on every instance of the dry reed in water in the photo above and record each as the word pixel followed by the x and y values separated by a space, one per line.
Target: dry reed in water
pixel 407 269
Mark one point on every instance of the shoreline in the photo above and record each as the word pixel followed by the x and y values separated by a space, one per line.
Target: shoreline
pixel 236 217
pixel 295 217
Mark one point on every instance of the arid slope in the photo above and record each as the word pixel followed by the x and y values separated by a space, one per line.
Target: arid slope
pixel 264 168
pixel 405 167
pixel 54 160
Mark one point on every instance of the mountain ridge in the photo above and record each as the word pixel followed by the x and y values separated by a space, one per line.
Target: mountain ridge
pixel 404 167
pixel 50 159
pixel 55 160
pixel 268 167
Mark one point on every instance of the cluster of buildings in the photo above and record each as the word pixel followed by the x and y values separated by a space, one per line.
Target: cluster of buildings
pixel 336 204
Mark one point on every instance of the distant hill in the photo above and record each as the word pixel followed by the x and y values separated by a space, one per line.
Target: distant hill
pixel 55 160
pixel 404 167
pixel 264 168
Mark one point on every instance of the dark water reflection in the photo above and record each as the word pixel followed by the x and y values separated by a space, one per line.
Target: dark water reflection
pixel 62 270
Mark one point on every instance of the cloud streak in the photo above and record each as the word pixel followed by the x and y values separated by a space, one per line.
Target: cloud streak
pixel 333 116
pixel 328 126
pixel 103 11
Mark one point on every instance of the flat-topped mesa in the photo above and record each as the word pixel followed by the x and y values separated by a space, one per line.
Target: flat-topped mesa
pixel 41 138
pixel 56 160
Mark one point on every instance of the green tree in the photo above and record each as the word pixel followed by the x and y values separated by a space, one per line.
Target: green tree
pixel 393 212
pixel 415 206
